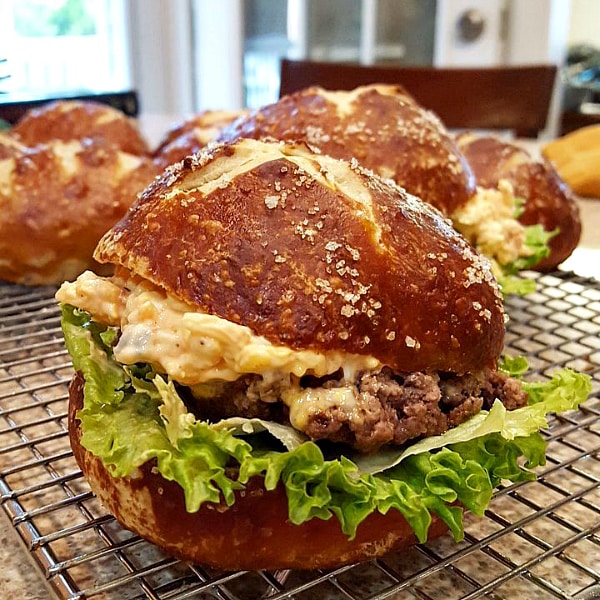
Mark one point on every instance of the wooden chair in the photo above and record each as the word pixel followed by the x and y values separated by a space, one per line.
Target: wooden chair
pixel 513 98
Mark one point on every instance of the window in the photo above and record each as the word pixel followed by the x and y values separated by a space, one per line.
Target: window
pixel 50 46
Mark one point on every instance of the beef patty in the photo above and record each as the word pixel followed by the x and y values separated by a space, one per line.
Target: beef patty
pixel 386 407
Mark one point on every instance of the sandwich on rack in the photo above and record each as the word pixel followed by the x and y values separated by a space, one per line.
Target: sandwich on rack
pixel 295 365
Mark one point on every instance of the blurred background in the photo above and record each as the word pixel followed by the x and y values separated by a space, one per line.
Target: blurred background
pixel 183 56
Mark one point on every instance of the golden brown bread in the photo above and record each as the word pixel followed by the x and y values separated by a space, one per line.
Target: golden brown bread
pixel 576 157
pixel 56 201
pixel 9 146
pixel 254 533
pixel 381 126
pixel 313 252
pixel 547 199
pixel 77 119
pixel 191 135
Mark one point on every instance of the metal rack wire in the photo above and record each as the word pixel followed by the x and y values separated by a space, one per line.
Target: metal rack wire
pixel 538 540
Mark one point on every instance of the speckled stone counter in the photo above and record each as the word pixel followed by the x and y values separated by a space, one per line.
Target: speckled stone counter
pixel 19 578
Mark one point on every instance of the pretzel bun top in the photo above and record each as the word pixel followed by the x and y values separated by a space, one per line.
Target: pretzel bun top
pixel 191 135
pixel 78 119
pixel 381 126
pixel 313 253
pixel 56 200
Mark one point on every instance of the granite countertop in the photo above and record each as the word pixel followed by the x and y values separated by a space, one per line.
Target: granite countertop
pixel 19 577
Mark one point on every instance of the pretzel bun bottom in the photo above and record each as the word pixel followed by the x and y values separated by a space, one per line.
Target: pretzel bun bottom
pixel 254 533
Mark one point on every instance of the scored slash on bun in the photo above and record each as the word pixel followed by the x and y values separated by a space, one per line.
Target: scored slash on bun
pixel 381 126
pixel 313 253
pixel 254 533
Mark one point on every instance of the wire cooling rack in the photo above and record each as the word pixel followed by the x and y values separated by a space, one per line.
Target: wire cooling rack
pixel 538 540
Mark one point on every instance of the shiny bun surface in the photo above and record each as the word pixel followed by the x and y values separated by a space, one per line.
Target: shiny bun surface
pixel 381 126
pixel 77 119
pixel 313 253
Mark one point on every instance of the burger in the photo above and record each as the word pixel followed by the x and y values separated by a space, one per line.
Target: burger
pixel 296 364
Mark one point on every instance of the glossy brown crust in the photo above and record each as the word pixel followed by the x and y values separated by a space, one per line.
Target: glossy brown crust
pixel 76 120
pixel 303 264
pixel 191 135
pixel 56 201
pixel 253 534
pixel 548 199
pixel 383 127
pixel 9 146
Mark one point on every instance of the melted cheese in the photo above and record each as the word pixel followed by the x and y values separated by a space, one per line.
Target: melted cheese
pixel 309 402
pixel 193 347
pixel 333 174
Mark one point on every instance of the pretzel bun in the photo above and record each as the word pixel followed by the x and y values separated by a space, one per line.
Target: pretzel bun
pixel 576 157
pixel 381 126
pixel 313 253
pixel 548 199
pixel 57 199
pixel 78 119
pixel 191 135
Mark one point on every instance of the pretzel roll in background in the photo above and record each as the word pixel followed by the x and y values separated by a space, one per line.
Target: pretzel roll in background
pixel 69 170
pixel 191 135
pixel 57 199
pixel 78 119
pixel 381 126
pixel 547 199
pixel 278 292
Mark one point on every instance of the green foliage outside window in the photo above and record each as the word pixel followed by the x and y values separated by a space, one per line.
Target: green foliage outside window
pixel 43 18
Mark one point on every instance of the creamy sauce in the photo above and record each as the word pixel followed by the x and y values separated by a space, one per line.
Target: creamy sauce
pixel 193 347
pixel 488 222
